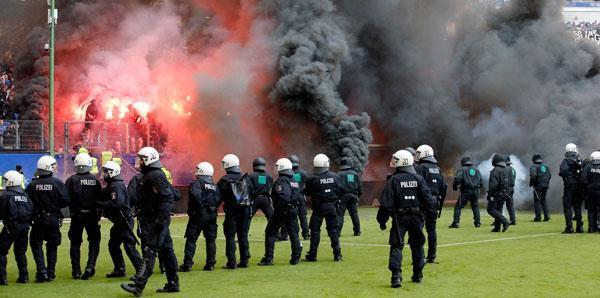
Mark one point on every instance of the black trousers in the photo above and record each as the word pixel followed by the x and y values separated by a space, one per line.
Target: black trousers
pixel 510 206
pixel 540 203
pixel 89 223
pixel 157 239
pixel 201 221
pixel 351 204
pixel 120 236
pixel 263 204
pixel 572 201
pixel 329 213
pixel 288 218
pixel 413 225
pixel 494 208
pixel 18 235
pixel 593 197
pixel 237 222
pixel 302 217
pixel 464 199
pixel 45 228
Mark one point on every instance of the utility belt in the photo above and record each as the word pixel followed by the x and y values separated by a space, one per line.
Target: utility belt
pixel 408 211
pixel 258 197
pixel 204 209
pixel 287 207
pixel 44 213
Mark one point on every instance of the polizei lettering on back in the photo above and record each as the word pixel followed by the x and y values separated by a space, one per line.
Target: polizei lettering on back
pixel 408 184
pixel 210 187
pixel 20 199
pixel 88 182
pixel 44 187
pixel 326 181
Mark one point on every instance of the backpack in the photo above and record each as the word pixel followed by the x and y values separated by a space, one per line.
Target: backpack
pixel 240 190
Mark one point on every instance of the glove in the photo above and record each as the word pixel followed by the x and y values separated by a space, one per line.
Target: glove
pixel 382 226
pixel 490 198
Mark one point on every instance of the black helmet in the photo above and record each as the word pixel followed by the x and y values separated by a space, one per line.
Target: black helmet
pixel 259 164
pixel 295 160
pixel 537 158
pixel 508 162
pixel 499 160
pixel 345 163
pixel 466 161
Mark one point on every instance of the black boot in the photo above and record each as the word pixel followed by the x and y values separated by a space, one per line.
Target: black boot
pixel 243 264
pixel 454 226
pixel 396 279
pixel 185 268
pixel 337 257
pixel 88 273
pixel 568 230
pixel 230 265
pixel 41 277
pixel 209 267
pixel 310 258
pixel 505 226
pixel 265 262
pixel 170 287
pixel 579 228
pixel 116 273
pixel 132 288
pixel 417 277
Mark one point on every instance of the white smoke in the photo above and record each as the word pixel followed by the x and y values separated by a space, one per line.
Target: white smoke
pixel 523 195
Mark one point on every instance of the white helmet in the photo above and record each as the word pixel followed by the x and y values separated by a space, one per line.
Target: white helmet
pixel 283 164
pixel 148 156
pixel 83 163
pixel 204 169
pixel 47 163
pixel 424 151
pixel 595 155
pixel 12 178
pixel 230 161
pixel 571 148
pixel 112 168
pixel 321 161
pixel 402 158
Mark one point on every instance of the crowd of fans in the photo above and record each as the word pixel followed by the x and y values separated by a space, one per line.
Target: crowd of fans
pixel 6 89
pixel 585 30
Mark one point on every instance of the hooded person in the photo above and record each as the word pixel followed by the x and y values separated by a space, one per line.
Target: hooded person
pixel 539 180
pixel 468 181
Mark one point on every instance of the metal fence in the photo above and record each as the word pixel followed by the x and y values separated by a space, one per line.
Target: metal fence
pixel 26 135
pixel 120 138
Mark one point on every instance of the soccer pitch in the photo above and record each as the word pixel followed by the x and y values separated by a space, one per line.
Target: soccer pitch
pixel 529 260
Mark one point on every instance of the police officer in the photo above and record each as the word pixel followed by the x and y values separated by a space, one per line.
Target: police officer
pixel 48 196
pixel 117 208
pixel 155 201
pixel 539 179
pixel 202 212
pixel 468 180
pixel 405 199
pixel 300 176
pixel 510 206
pixel 351 193
pixel 285 195
pixel 431 172
pixel 237 213
pixel 85 191
pixel 16 211
pixel 570 171
pixel 260 183
pixel 498 192
pixel 325 189
pixel 591 182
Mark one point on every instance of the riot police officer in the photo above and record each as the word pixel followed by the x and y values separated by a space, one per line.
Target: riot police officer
pixel 85 191
pixel 498 192
pixel 16 211
pixel 202 212
pixel 238 211
pixel 260 183
pixel 155 201
pixel 48 196
pixel 510 206
pixel 539 179
pixel 468 180
pixel 285 195
pixel 351 193
pixel 591 182
pixel 325 189
pixel 405 198
pixel 116 207
pixel 570 171
pixel 431 172
pixel 300 176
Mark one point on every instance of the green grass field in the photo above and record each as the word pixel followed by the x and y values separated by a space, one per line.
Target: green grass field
pixel 529 260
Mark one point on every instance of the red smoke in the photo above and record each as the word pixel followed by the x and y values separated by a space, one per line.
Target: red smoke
pixel 209 101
